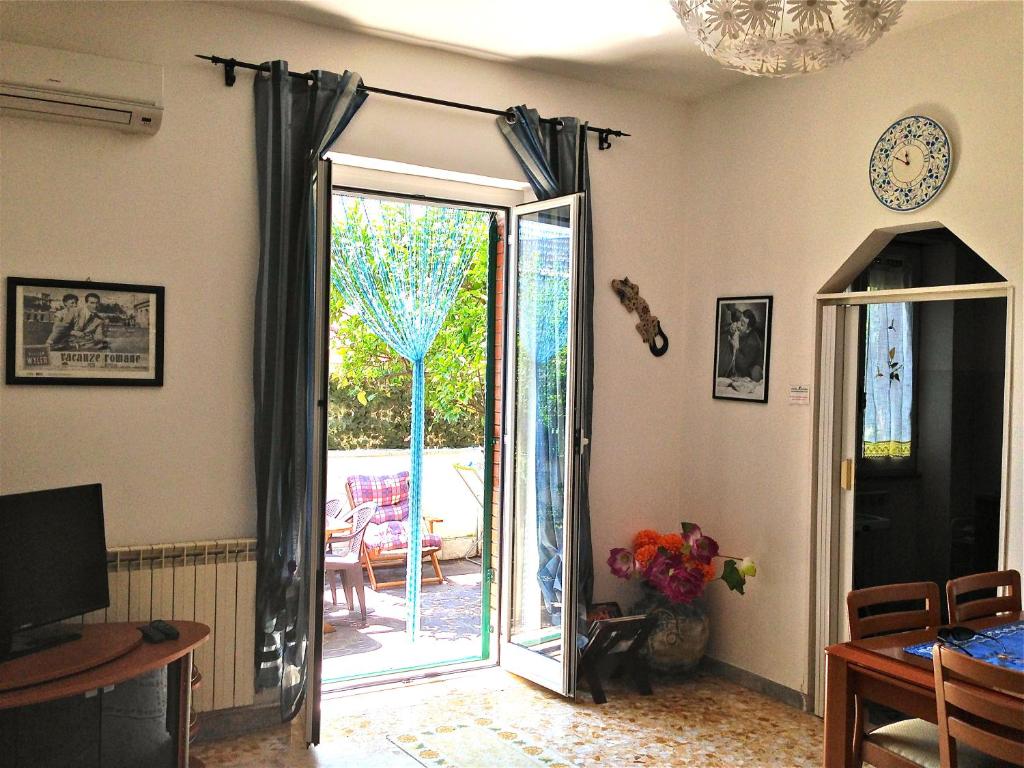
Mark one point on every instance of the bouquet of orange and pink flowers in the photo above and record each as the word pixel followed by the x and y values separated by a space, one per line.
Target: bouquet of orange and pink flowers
pixel 679 566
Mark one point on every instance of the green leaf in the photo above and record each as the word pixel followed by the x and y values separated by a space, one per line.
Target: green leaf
pixel 361 397
pixel 732 576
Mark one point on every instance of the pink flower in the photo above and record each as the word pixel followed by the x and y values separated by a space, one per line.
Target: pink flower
pixel 669 575
pixel 703 549
pixel 621 562
pixel 691 532
pixel 661 568
pixel 686 586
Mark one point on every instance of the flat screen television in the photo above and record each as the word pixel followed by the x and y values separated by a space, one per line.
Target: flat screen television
pixel 53 564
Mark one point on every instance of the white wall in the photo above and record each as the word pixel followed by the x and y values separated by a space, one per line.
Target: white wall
pixel 179 209
pixel 778 174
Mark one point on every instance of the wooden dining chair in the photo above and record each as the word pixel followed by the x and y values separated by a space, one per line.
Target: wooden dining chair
pixel 969 713
pixel 906 743
pixel 984 606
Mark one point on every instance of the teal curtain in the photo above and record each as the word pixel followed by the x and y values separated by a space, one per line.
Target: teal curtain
pixel 400 268
pixel 296 122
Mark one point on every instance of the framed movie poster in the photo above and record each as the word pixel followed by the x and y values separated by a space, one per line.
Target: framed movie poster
pixel 75 332
pixel 743 328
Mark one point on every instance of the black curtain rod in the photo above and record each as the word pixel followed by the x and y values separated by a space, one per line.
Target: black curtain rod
pixel 603 134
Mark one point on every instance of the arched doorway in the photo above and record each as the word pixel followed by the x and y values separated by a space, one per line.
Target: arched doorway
pixel 914 333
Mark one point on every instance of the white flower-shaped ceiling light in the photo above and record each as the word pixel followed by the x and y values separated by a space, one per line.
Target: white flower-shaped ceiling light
pixel 780 38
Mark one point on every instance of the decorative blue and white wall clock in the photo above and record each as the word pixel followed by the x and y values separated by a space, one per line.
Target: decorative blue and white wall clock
pixel 910 163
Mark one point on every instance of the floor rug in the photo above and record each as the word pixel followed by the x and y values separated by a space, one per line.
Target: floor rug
pixel 480 745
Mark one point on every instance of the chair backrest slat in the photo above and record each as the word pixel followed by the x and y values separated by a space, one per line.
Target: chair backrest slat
pixel 898 621
pixel 980 608
pixel 893 621
pixel 986 675
pixel 971 711
pixel 996 745
pixel 972 699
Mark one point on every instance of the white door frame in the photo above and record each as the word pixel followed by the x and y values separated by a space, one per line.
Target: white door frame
pixel 370 177
pixel 559 675
pixel 827 603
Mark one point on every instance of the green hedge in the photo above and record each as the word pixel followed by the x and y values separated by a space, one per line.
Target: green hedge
pixel 370 391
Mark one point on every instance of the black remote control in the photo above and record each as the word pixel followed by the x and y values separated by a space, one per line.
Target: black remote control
pixel 165 629
pixel 150 635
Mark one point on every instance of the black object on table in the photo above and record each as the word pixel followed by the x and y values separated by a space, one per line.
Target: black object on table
pixel 151 635
pixel 621 641
pixel 165 629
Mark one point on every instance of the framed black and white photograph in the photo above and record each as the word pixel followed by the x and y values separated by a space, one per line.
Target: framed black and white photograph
pixel 79 332
pixel 743 327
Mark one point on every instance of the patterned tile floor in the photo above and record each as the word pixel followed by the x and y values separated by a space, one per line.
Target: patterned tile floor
pixel 698 722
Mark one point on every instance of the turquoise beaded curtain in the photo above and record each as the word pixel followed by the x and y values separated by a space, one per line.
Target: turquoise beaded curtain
pixel 399 267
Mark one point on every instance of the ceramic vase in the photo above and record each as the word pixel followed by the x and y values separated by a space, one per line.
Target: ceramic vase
pixel 680 635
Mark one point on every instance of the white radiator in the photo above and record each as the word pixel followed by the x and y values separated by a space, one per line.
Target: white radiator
pixel 212 582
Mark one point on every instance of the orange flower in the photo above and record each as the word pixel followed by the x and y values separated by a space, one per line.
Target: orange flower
pixel 709 571
pixel 673 542
pixel 706 569
pixel 646 536
pixel 645 554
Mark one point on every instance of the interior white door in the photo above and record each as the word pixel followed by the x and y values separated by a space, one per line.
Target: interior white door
pixel 848 454
pixel 837 356
pixel 837 414
pixel 537 638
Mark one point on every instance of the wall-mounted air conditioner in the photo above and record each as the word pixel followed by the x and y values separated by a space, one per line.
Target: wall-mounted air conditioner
pixel 75 87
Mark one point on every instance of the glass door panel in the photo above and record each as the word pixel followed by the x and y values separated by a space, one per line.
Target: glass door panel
pixel 539 549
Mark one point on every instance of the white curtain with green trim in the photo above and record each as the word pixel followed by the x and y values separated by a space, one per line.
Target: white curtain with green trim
pixel 888 369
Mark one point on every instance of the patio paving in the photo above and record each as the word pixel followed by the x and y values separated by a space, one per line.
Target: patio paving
pixel 449 628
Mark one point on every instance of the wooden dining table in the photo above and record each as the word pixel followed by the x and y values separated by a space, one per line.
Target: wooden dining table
pixel 878 669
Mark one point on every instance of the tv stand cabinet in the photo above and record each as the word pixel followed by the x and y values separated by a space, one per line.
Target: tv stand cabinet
pixel 74 673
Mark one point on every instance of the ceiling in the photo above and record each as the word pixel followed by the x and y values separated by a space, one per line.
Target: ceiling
pixel 636 44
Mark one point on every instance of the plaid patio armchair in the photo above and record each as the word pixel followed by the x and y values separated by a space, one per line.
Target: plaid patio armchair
pixel 387 536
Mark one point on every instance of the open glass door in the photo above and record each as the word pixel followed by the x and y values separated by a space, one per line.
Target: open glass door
pixel 321 217
pixel 539 550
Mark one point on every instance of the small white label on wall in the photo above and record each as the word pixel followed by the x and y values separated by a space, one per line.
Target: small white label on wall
pixel 799 394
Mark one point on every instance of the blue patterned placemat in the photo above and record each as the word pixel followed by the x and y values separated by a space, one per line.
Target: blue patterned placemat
pixel 1004 647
